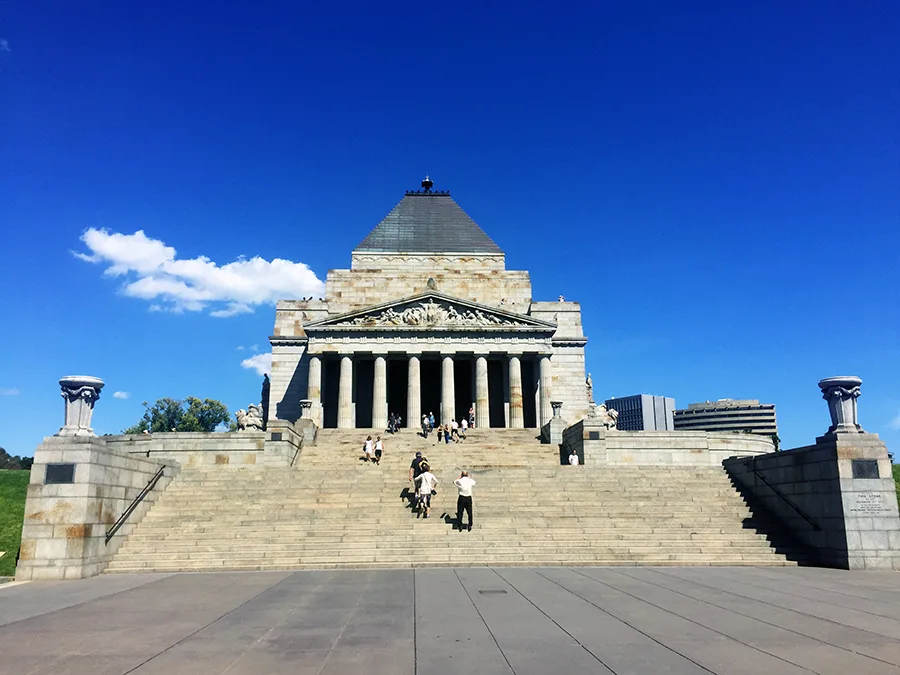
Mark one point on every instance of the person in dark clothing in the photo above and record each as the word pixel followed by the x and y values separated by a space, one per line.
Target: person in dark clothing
pixel 415 469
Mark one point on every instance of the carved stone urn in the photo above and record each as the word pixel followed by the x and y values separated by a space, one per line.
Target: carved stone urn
pixel 80 392
pixel 841 394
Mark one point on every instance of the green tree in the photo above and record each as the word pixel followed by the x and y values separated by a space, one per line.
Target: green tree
pixel 191 414
pixel 14 462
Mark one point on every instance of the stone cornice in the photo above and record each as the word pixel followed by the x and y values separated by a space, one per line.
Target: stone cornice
pixel 287 341
pixel 569 341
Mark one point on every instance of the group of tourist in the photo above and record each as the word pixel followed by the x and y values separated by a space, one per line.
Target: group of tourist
pixel 425 487
pixel 373 450
pixel 394 421
pixel 451 431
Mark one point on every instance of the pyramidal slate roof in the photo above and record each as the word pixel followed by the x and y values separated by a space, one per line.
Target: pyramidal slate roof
pixel 428 222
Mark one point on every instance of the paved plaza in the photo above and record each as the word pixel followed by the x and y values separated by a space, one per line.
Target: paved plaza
pixel 483 621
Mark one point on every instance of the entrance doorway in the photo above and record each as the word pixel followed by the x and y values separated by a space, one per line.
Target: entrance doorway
pixel 430 386
pixel 463 386
pixel 496 396
pixel 397 379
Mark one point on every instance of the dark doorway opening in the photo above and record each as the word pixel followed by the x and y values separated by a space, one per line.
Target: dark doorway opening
pixel 331 376
pixel 365 379
pixel 496 396
pixel 430 383
pixel 529 390
pixel 397 377
pixel 462 385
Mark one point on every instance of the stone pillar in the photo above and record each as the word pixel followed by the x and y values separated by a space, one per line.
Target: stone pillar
pixel 516 418
pixel 841 394
pixel 448 391
pixel 345 394
pixel 545 412
pixel 80 392
pixel 482 399
pixel 379 394
pixel 314 389
pixel 414 394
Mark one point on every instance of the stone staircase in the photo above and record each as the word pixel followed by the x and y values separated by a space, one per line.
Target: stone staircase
pixel 334 510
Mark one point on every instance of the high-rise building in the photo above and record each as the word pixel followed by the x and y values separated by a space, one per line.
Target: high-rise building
pixel 644 412
pixel 727 414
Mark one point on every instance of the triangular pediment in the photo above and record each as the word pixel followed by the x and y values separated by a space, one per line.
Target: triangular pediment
pixel 430 311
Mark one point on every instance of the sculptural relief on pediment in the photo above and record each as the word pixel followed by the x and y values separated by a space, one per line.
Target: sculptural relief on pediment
pixel 431 313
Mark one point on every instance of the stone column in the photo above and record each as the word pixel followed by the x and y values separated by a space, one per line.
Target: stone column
pixel 448 391
pixel 841 394
pixel 546 409
pixel 414 394
pixel 345 394
pixel 80 392
pixel 379 394
pixel 482 399
pixel 516 418
pixel 314 389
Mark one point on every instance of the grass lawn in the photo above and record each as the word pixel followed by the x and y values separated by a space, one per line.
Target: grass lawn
pixel 13 485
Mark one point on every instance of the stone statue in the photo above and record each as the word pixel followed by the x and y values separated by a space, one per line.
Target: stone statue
pixel 608 417
pixel 266 391
pixel 589 383
pixel 250 419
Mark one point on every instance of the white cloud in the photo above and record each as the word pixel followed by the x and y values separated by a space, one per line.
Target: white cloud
pixel 261 363
pixel 239 348
pixel 895 423
pixel 153 272
pixel 121 395
pixel 10 391
pixel 4 45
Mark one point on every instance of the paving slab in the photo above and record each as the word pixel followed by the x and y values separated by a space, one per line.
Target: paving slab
pixel 457 621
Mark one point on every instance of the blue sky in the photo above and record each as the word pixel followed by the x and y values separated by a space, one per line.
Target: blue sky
pixel 716 184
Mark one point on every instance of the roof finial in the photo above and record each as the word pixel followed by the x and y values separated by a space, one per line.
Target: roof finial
pixel 427 184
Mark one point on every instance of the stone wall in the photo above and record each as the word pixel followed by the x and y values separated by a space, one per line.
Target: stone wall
pixel 598 447
pixel 347 290
pixel 850 523
pixel 276 446
pixel 288 381
pixel 64 531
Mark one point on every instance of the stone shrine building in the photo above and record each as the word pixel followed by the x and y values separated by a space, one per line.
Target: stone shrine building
pixel 427 320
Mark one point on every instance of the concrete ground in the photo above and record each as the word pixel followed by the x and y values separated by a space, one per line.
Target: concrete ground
pixel 480 621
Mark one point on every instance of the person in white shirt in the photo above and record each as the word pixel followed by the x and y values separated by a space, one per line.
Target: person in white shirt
pixel 464 501
pixel 426 484
pixel 463 428
pixel 573 458
pixel 369 449
pixel 379 449
pixel 454 431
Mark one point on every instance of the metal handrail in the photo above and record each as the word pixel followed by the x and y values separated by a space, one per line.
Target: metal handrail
pixel 787 501
pixel 137 500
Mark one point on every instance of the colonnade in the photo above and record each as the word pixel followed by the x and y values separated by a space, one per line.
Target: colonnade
pixel 515 418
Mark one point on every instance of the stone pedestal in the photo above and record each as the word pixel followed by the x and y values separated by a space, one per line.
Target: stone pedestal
pixel 306 406
pixel 516 415
pixel 841 394
pixel 552 432
pixel 71 506
pixel 79 392
pixel 414 393
pixel 482 400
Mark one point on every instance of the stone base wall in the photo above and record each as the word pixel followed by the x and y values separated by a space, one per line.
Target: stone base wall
pixel 598 447
pixel 231 449
pixel 64 531
pixel 850 523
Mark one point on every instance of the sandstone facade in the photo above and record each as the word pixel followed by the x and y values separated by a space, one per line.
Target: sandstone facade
pixel 427 320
